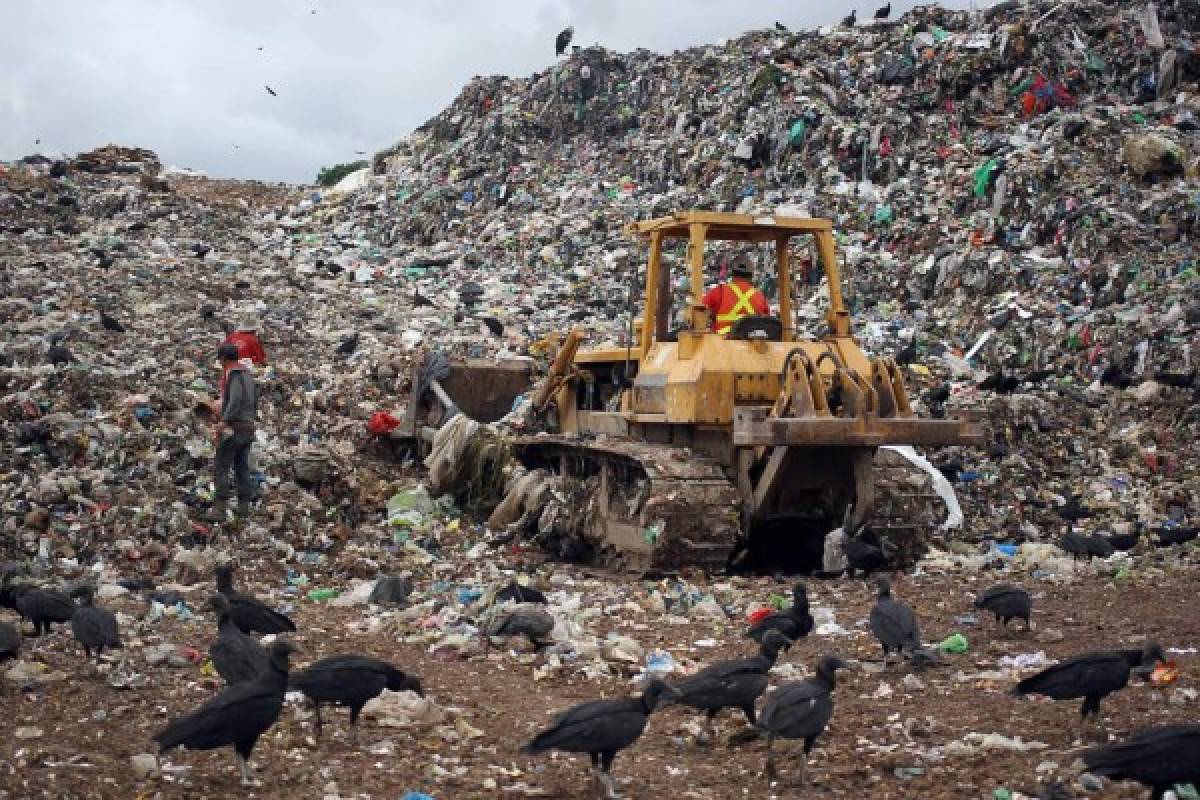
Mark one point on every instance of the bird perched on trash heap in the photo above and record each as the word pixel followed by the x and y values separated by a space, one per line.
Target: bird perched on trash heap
pixel 563 40
pixel 849 20
pixel 794 622
pixel 516 593
pixel 884 12
pixel 602 728
pixel 734 683
pixel 237 716
pixel 350 680
pixel 110 323
pixel 1160 758
pixel 800 710
pixel 237 658
pixel 1007 602
pixel 248 612
pixel 893 623
pixel 1092 676
pixel 94 628
pixel 348 345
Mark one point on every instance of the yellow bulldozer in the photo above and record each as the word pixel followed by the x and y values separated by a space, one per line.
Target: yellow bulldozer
pixel 684 445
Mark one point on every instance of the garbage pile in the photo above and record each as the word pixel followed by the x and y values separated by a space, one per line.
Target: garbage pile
pixel 1014 191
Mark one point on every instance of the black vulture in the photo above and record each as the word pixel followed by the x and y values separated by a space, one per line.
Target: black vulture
pixel 862 555
pixel 794 623
pixel 1113 375
pixel 237 716
pixel 1092 676
pixel 110 323
pixel 1007 602
pixel 248 612
pixel 532 623
pixel 851 18
pixel 1124 541
pixel 562 40
pixel 908 354
pixel 420 300
pixel 885 12
pixel 350 681
pixel 516 593
pixel 735 683
pixel 1156 757
pixel 58 355
pixel 95 628
pixel 10 642
pixel 43 607
pixel 602 728
pixel 238 658
pixel 800 710
pixel 1169 536
pixel 1085 544
pixel 494 325
pixel 893 623
pixel 270 91
pixel 1178 380
pixel 348 345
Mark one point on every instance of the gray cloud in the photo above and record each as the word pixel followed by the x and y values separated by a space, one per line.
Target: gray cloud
pixel 187 80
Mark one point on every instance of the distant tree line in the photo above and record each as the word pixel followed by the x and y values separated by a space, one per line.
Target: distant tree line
pixel 329 176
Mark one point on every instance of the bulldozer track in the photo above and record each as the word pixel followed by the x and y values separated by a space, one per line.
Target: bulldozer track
pixel 656 507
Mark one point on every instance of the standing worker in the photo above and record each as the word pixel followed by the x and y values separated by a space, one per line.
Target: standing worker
pixel 738 298
pixel 245 337
pixel 234 432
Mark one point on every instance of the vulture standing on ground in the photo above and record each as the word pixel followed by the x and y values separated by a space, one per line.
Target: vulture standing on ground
pixel 1092 676
pixel 794 623
pixel 247 611
pixel 350 680
pixel 237 716
pixel 800 710
pixel 532 623
pixel 1007 602
pixel 735 683
pixel 893 623
pixel 1156 757
pixel 95 628
pixel 238 658
pixel 43 607
pixel 602 728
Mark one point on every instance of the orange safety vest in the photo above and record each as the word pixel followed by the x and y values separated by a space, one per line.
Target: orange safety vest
pixel 742 306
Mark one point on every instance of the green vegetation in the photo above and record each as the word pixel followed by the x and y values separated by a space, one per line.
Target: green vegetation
pixel 329 176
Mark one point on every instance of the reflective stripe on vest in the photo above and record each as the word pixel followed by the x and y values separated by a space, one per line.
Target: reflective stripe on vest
pixel 742 308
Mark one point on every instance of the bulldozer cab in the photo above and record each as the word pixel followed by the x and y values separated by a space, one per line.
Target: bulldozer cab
pixel 775 236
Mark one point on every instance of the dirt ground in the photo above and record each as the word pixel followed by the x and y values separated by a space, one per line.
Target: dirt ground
pixel 90 730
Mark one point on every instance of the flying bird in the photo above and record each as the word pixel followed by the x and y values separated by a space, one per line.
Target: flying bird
pixel 1160 758
pixel 794 622
pixel 350 680
pixel 237 658
pixel 563 40
pixel 95 628
pixel 800 710
pixel 237 716
pixel 734 683
pixel 893 623
pixel 271 91
pixel 1092 676
pixel 1007 602
pixel 602 728
pixel 247 611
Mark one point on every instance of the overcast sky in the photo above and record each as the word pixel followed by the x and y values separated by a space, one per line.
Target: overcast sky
pixel 186 79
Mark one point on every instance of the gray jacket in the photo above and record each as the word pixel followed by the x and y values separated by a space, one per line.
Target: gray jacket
pixel 239 403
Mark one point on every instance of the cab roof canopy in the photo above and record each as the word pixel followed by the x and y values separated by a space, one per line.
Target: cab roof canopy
pixel 729 227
